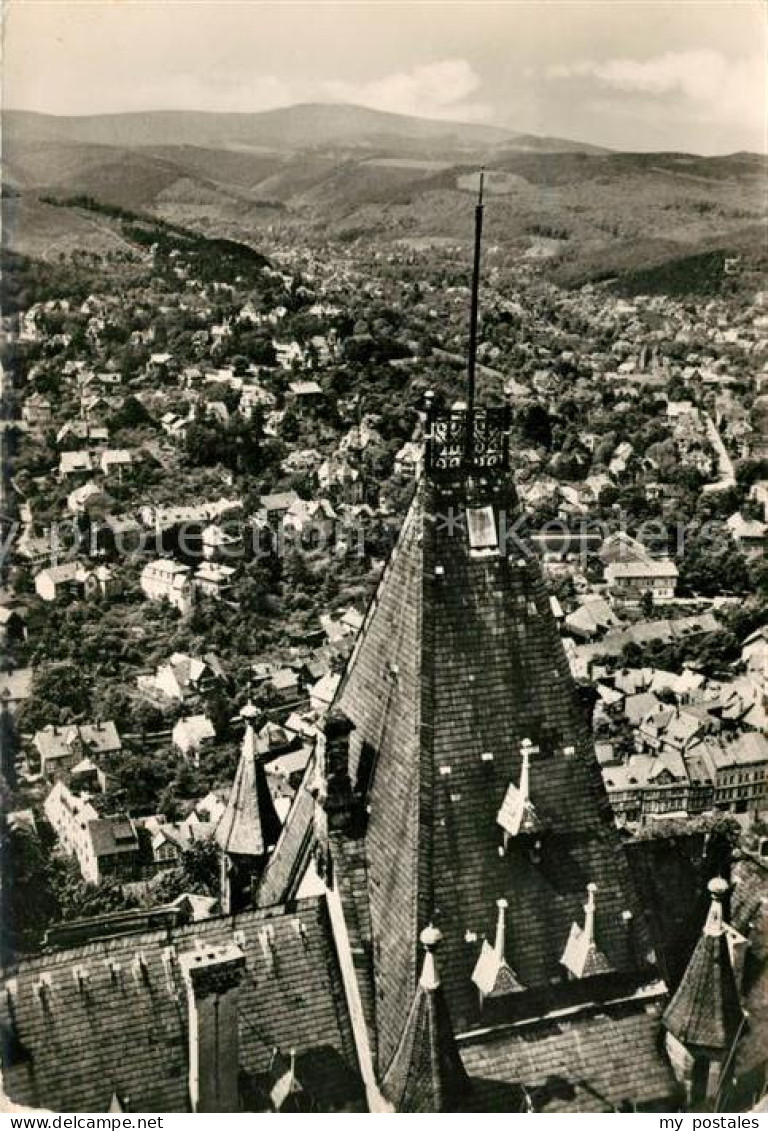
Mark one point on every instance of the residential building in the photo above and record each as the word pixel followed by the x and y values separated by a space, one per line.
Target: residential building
pixel 167 580
pixel 274 507
pixel 738 767
pixel 214 579
pixel 104 847
pixel 73 580
pixel 184 679
pixel 750 535
pixel 36 412
pixel 61 748
pixel 322 693
pixel 409 460
pixel 629 581
pixel 191 734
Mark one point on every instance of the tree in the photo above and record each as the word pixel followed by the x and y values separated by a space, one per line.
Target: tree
pixel 197 873
pixel 60 695
pixel 711 564
pixel 536 425
pixel 77 899
pixel 29 901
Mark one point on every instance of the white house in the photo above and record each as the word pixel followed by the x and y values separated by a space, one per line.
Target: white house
pixel 191 734
pixel 103 846
pixel 167 580
pixel 72 579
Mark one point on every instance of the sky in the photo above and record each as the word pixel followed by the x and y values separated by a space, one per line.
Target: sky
pixel 663 74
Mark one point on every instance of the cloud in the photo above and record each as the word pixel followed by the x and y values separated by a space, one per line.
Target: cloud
pixel 727 89
pixel 442 89
pixel 432 90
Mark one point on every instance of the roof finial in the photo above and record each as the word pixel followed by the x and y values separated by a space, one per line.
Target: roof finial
pixel 714 925
pixel 472 361
pixel 517 814
pixel 501 929
pixel 430 940
pixel 525 771
pixel 426 1073
pixel 249 714
pixel 589 914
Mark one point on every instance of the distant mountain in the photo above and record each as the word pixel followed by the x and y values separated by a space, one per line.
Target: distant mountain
pixel 305 126
pixel 348 173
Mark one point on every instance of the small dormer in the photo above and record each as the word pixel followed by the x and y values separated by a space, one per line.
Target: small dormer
pixel 287 1094
pixel 517 815
pixel 493 975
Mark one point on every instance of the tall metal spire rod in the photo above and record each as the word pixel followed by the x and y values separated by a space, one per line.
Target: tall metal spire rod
pixel 474 308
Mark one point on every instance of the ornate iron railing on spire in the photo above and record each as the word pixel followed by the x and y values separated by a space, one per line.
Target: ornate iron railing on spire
pixel 462 441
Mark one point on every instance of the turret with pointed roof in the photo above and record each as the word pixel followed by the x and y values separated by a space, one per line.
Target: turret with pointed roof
pixel 249 827
pixel 426 1073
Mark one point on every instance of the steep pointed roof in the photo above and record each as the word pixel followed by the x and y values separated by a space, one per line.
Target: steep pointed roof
pixel 705 1011
pixel 458 661
pixel 426 1073
pixel 249 825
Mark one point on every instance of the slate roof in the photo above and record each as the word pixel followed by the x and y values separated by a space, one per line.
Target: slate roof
pixel 749 915
pixel 286 865
pixel 56 742
pixel 123 1030
pixel 574 1063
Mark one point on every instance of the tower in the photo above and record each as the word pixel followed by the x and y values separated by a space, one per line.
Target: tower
pixel 704 1017
pixel 249 826
pixel 426 1073
pixel 472 799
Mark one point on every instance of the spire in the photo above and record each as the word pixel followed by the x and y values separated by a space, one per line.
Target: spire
pixel 517 814
pixel 705 1011
pixel 581 957
pixel 492 974
pixel 426 1073
pixel 472 361
pixel 249 825
pixel 466 438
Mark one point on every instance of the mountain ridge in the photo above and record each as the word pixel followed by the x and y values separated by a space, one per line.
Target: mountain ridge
pixel 301 126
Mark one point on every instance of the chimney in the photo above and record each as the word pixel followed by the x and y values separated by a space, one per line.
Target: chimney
pixel 212 976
